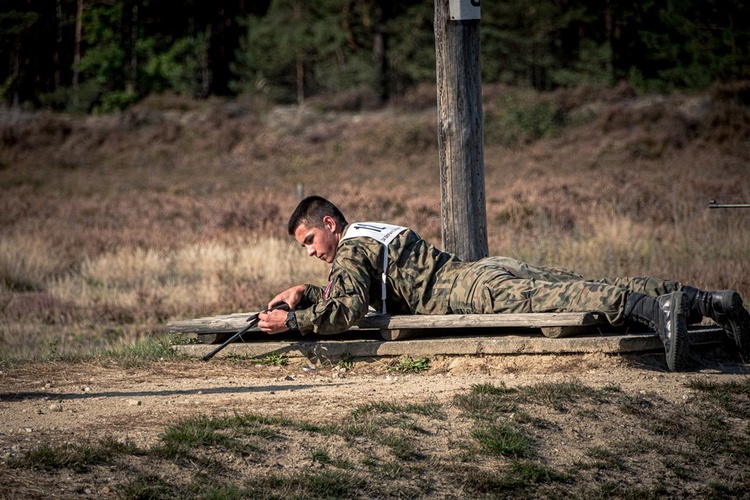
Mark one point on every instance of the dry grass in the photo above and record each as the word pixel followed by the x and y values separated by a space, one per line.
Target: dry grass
pixel 112 225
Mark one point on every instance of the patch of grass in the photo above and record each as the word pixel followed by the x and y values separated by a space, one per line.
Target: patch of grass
pixel 733 396
pixel 432 410
pixel 148 486
pixel 558 394
pixel 391 469
pixel 77 457
pixel 604 458
pixel 143 352
pixel 486 401
pixel 321 456
pixel 401 445
pixel 407 364
pixel 181 438
pixel 323 484
pixel 612 489
pixel 324 457
pixel 502 439
pixel 347 362
pixel 520 479
pixel 634 405
pixel 528 472
pixel 274 360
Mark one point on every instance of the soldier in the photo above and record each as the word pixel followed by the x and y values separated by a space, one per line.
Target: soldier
pixel 393 270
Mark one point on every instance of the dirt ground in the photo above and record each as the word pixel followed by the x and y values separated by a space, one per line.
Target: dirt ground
pixel 75 403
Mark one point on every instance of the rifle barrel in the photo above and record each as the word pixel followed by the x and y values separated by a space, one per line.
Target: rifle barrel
pixel 252 322
pixel 713 204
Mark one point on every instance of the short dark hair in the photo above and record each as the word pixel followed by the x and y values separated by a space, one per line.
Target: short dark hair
pixel 311 211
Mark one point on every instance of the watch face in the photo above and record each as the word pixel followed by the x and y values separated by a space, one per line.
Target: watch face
pixel 291 321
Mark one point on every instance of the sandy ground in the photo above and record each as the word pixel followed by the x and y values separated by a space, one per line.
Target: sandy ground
pixel 58 403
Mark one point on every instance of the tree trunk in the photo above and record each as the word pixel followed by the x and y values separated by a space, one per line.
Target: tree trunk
pixel 77 48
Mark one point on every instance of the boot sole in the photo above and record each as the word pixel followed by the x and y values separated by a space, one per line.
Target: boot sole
pixel 737 324
pixel 677 355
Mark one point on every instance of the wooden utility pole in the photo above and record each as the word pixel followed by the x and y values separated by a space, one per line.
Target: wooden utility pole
pixel 460 128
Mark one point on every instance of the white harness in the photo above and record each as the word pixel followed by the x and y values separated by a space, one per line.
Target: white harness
pixel 382 233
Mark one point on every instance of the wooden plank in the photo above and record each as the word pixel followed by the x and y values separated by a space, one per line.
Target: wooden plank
pixel 234 322
pixel 533 343
pixel 528 320
pixel 332 350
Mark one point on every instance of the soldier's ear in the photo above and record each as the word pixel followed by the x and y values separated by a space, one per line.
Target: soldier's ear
pixel 330 223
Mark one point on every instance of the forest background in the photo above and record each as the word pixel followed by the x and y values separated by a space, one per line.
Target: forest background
pixel 103 55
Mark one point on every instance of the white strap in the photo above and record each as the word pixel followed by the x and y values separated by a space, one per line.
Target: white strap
pixel 382 233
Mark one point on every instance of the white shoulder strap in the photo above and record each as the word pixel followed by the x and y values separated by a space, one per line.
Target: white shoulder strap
pixel 382 233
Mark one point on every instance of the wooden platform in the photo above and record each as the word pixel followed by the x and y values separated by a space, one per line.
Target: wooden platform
pixel 475 334
pixel 471 342
pixel 215 329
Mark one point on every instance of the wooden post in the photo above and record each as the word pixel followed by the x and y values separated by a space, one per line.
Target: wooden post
pixel 460 128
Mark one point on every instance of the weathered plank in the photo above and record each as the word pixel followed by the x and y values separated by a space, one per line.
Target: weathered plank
pixel 233 322
pixel 214 328
pixel 332 350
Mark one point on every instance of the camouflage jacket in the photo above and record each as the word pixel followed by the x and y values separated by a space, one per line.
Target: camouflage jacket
pixel 419 280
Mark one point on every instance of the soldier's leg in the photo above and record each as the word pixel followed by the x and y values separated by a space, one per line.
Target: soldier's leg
pixel 641 284
pixel 646 285
pixel 529 271
pixel 487 288
pixel 533 295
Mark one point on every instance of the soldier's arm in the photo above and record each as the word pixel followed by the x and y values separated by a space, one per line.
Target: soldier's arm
pixel 349 293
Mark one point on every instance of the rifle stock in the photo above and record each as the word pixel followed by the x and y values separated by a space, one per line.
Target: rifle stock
pixel 252 323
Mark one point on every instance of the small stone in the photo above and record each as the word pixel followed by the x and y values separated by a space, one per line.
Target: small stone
pixel 28 429
pixel 87 389
pixel 48 385
pixel 288 377
pixel 134 402
pixel 308 368
pixel 55 407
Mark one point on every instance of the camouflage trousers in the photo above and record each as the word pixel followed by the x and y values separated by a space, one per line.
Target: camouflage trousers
pixel 505 285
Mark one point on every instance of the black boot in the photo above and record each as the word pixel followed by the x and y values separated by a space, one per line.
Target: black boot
pixel 726 309
pixel 667 315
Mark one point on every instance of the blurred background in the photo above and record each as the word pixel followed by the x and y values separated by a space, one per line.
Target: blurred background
pixel 98 56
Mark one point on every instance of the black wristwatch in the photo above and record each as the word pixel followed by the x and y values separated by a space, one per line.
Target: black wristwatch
pixel 291 321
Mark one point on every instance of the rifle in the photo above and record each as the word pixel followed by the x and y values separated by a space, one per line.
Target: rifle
pixel 252 323
pixel 713 204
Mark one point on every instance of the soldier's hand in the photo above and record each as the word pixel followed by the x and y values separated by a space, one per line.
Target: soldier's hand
pixel 290 296
pixel 273 321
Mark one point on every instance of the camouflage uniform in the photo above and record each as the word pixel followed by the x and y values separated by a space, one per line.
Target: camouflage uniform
pixel 424 280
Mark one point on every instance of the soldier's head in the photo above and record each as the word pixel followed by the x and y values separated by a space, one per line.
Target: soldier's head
pixel 317 224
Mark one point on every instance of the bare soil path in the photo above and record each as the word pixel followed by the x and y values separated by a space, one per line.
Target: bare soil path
pixel 73 403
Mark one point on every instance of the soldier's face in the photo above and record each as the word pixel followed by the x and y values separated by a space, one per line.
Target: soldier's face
pixel 320 242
